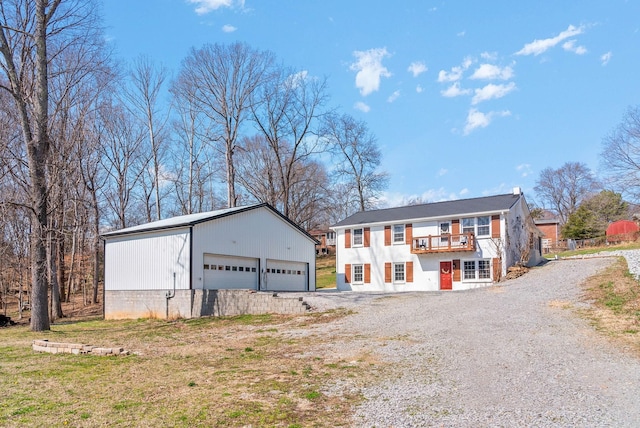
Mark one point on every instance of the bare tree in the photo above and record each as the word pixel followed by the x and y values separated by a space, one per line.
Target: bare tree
pixel 123 161
pixel 564 189
pixel 147 83
pixel 621 155
pixel 33 34
pixel 357 158
pixel 221 81
pixel 287 115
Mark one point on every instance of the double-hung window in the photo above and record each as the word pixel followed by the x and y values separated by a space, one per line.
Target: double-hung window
pixel 357 237
pixel 476 269
pixel 358 274
pixel 398 233
pixel 468 225
pixel 479 226
pixel 398 272
pixel 483 226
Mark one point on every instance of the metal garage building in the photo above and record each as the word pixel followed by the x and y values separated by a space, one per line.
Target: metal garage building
pixel 168 265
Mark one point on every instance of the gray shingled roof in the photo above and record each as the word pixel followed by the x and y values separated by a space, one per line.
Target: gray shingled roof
pixel 461 207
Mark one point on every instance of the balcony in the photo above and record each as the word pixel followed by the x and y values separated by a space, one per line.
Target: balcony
pixel 442 243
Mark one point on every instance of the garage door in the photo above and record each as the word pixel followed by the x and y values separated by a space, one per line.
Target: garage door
pixel 286 276
pixel 223 272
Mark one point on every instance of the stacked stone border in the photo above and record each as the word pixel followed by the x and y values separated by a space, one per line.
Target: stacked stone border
pixel 43 345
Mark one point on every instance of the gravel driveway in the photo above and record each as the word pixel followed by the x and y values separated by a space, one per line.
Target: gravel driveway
pixel 505 356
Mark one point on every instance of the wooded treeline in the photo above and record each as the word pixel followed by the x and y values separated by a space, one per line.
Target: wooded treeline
pixel 88 145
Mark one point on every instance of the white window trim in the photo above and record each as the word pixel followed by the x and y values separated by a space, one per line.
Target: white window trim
pixel 475 226
pixel 353 237
pixel 404 273
pixel 353 274
pixel 393 235
pixel 476 271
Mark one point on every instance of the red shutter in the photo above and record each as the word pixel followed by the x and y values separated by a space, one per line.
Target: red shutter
pixel 347 238
pixel 367 235
pixel 408 234
pixel 495 226
pixel 497 269
pixel 387 272
pixel 347 273
pixel 455 227
pixel 456 270
pixel 409 273
pixel 387 236
pixel 367 273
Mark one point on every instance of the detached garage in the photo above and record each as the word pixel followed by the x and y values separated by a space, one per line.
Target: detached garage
pixel 176 267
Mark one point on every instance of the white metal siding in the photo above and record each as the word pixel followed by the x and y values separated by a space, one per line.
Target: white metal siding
pixel 147 261
pixel 257 233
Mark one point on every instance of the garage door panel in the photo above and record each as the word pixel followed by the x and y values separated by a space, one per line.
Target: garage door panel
pixel 226 272
pixel 286 276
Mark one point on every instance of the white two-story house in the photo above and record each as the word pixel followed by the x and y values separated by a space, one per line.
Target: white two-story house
pixel 451 245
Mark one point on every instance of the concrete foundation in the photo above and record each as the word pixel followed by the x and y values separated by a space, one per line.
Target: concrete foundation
pixel 196 303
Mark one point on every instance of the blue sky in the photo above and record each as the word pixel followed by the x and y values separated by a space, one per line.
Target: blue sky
pixel 465 98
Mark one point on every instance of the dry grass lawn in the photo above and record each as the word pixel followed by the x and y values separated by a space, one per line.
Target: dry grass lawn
pixel 615 312
pixel 241 371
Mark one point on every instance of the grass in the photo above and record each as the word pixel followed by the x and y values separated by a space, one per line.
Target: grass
pixel 326 272
pixel 615 309
pixel 236 371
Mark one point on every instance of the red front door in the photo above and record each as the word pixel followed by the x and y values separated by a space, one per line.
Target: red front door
pixel 446 276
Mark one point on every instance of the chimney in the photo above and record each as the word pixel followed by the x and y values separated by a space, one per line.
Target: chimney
pixel 517 191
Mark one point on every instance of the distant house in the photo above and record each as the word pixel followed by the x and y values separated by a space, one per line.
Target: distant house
pixel 549 225
pixel 622 231
pixel 170 267
pixel 326 241
pixel 452 245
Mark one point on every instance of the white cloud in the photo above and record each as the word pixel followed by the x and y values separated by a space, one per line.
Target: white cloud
pixel 393 97
pixel 477 119
pixel 454 91
pixel 369 69
pixel 492 91
pixel 489 56
pixel 206 6
pixel 463 192
pixel 450 76
pixel 461 33
pixel 419 89
pixel 442 172
pixel 570 46
pixel 524 169
pixel 540 46
pixel 417 68
pixel 606 57
pixel 362 107
pixel 456 72
pixel 228 28
pixel 491 72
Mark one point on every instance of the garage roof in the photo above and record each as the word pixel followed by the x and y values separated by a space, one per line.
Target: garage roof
pixel 193 219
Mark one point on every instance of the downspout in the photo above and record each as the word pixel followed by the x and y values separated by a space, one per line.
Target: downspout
pixel 170 295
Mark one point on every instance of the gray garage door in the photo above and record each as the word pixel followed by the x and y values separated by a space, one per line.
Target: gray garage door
pixel 223 272
pixel 286 276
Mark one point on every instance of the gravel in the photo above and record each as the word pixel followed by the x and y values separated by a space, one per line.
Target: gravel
pixel 509 355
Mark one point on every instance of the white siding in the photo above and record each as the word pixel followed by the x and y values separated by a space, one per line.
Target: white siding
pixel 147 261
pixel 426 267
pixel 257 233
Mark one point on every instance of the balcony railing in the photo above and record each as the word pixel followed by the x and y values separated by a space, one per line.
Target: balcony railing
pixel 442 243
